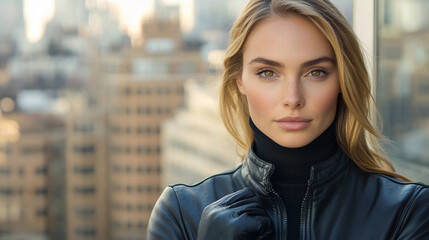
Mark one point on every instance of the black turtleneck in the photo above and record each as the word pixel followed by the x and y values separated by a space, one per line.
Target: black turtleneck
pixel 292 169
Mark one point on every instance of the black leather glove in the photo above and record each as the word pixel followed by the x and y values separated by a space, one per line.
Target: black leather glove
pixel 239 215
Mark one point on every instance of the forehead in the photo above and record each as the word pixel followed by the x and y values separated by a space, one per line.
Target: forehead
pixel 291 37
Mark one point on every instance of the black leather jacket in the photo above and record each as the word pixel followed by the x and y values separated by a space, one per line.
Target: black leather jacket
pixel 342 202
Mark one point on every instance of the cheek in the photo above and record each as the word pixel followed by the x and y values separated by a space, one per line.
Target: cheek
pixel 259 101
pixel 326 103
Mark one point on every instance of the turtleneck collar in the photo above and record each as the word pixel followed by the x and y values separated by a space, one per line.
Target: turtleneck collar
pixel 292 165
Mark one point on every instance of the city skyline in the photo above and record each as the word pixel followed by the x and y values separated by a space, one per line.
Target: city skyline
pixel 130 13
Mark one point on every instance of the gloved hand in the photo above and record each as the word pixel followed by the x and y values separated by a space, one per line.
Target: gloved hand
pixel 239 215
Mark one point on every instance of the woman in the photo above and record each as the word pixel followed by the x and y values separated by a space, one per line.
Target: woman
pixel 296 97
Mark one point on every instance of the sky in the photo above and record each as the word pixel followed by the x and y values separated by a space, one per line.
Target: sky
pixel 38 12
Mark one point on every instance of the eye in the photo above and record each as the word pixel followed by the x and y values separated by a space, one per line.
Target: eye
pixel 317 73
pixel 267 74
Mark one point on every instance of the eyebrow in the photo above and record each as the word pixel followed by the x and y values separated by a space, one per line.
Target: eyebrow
pixel 278 64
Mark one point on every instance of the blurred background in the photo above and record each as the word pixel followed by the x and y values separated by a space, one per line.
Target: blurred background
pixel 105 102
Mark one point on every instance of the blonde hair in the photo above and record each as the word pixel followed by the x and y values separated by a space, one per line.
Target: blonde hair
pixel 357 134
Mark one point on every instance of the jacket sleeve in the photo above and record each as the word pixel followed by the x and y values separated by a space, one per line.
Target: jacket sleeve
pixel 165 220
pixel 416 222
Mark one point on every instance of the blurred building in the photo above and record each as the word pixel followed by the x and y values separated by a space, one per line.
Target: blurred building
pixel 403 63
pixel 32 177
pixel 86 186
pixel 145 88
pixel 195 142
pixel 71 13
pixel 140 101
pixel 402 83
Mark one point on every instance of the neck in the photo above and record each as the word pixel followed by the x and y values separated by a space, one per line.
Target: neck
pixel 292 165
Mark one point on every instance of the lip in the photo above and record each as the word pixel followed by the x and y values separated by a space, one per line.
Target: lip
pixel 293 123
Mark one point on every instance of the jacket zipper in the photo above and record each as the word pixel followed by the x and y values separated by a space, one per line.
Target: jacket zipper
pixel 281 212
pixel 281 215
pixel 304 206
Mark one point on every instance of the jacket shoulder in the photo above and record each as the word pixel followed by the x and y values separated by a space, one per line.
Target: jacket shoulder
pixel 413 219
pixel 228 177
pixel 177 212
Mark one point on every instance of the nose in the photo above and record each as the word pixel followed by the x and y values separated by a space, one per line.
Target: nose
pixel 293 96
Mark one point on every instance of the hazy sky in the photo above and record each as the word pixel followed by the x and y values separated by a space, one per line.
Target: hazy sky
pixel 38 12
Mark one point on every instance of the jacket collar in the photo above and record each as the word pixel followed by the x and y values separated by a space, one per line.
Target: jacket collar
pixel 256 172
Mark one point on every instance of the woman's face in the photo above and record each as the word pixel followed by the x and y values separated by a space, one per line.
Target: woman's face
pixel 290 80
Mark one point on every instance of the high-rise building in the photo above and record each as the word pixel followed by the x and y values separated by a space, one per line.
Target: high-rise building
pixel 195 143
pixel 31 178
pixel 86 175
pixel 145 88
pixel 71 13
pixel 140 101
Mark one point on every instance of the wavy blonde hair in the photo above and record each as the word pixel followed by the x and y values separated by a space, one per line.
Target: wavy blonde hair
pixel 356 130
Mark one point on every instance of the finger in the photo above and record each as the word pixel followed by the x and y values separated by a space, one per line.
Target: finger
pixel 251 211
pixel 244 193
pixel 256 224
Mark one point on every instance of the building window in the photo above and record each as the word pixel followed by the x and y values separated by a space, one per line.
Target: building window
pixel 128 150
pixel 149 207
pixel 41 191
pixel 115 149
pixel 140 207
pixel 85 212
pixel 83 127
pixel 139 110
pixel 85 170
pixel 139 150
pixel 84 190
pixel 43 212
pixel 84 149
pixel 115 129
pixel 139 130
pixel 127 91
pixel 159 90
pixel 29 150
pixel 42 170
pixel 86 232
pixel 21 171
pixel 148 150
pixel 116 168
pixel 5 171
pixel 148 130
pixel 6 191
pixel 116 224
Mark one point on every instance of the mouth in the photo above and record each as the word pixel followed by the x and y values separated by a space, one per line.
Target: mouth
pixel 293 123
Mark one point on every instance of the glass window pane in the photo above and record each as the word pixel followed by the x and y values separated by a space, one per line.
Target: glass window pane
pixel 403 83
